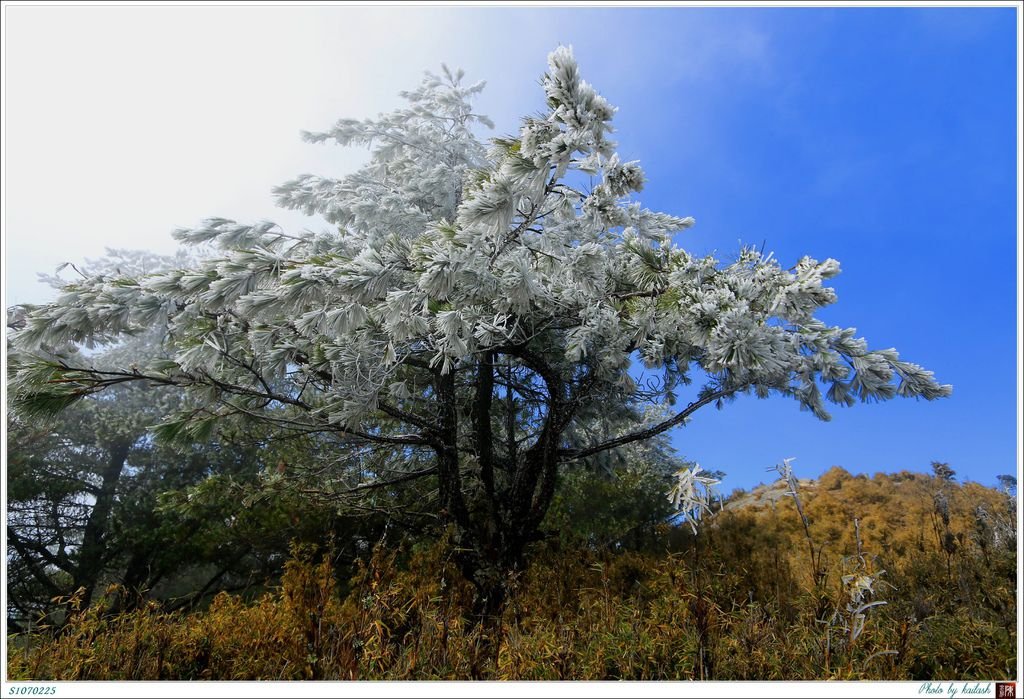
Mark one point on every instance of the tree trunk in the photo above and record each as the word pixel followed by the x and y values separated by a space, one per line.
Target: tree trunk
pixel 493 524
pixel 92 556
pixel 491 572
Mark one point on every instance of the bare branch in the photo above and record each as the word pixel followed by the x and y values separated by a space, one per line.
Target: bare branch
pixel 575 454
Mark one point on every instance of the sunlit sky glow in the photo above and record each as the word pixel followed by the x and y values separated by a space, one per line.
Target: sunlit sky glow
pixel 883 137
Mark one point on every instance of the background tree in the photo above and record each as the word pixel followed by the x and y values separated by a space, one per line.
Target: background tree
pixel 943 471
pixel 78 498
pixel 617 503
pixel 472 320
pixel 1008 483
pixel 93 499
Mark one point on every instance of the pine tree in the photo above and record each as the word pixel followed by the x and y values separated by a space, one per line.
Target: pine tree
pixel 472 318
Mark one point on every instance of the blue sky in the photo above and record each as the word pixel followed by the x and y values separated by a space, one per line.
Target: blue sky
pixel 883 137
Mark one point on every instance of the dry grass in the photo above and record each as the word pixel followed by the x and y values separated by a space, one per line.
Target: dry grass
pixel 737 602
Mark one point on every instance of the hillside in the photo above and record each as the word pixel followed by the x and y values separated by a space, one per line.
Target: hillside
pixel 928 593
pixel 898 513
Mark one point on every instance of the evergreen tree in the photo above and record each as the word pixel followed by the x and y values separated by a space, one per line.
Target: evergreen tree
pixel 471 321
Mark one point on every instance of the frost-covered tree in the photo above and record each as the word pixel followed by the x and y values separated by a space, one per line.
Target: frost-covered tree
pixel 86 491
pixel 473 317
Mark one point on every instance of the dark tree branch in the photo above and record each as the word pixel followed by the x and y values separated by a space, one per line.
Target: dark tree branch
pixel 406 416
pixel 510 419
pixel 482 425
pixel 540 459
pixel 386 408
pixel 94 554
pixel 453 502
pixel 405 478
pixel 105 379
pixel 25 549
pixel 575 454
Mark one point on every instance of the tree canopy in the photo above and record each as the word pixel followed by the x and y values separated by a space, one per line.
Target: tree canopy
pixel 473 317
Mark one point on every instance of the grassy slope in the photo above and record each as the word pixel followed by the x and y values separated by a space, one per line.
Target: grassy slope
pixel 740 601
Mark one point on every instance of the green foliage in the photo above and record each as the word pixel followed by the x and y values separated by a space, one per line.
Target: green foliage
pixel 632 503
pixel 732 603
pixel 173 522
